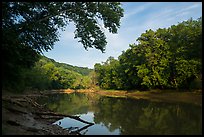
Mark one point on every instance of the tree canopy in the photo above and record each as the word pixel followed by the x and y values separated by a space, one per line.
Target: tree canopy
pixel 36 24
pixel 165 58
pixel 29 28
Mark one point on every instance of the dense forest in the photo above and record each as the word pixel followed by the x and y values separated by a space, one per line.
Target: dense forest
pixel 168 58
pixel 49 74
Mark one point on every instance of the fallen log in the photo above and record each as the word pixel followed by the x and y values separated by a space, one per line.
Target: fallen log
pixel 64 115
pixel 79 130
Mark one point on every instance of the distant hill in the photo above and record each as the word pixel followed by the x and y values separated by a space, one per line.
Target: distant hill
pixel 81 70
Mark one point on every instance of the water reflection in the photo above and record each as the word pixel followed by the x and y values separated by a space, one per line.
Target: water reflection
pixel 124 116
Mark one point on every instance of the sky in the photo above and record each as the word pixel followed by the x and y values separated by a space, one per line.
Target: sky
pixel 138 17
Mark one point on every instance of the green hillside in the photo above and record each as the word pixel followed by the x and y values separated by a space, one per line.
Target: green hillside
pixel 49 74
pixel 81 70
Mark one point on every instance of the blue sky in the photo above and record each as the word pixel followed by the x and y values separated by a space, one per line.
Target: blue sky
pixel 138 17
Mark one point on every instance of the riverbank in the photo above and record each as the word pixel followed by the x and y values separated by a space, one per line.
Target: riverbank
pixel 22 115
pixel 194 97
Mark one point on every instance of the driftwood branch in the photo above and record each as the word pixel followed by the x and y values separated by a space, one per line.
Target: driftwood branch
pixel 15 110
pixel 18 101
pixel 22 102
pixel 12 101
pixel 79 130
pixel 64 115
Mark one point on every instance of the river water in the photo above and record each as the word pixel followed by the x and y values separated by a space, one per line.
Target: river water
pixel 125 116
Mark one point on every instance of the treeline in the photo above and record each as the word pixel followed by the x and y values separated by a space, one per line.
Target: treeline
pixel 49 74
pixel 169 58
pixel 81 70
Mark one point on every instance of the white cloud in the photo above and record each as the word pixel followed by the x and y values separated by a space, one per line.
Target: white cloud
pixel 136 9
pixel 164 17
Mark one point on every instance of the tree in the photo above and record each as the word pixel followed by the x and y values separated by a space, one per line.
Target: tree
pixel 156 50
pixel 129 60
pixel 36 24
pixel 185 41
pixel 29 28
pixel 165 58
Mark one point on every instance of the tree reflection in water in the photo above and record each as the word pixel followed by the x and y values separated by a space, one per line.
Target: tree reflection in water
pixel 127 116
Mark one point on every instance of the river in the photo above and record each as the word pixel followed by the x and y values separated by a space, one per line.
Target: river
pixel 125 116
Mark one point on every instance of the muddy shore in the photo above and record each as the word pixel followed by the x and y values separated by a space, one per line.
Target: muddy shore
pixel 20 117
pixel 192 97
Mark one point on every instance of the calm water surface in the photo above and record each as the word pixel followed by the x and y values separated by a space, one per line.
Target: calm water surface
pixel 125 116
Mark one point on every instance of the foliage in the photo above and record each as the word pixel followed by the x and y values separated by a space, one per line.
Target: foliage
pixel 107 74
pixel 165 58
pixel 47 75
pixel 29 28
pixel 36 24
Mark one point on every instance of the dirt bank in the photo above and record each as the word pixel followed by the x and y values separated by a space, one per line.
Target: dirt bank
pixel 21 115
pixel 193 97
